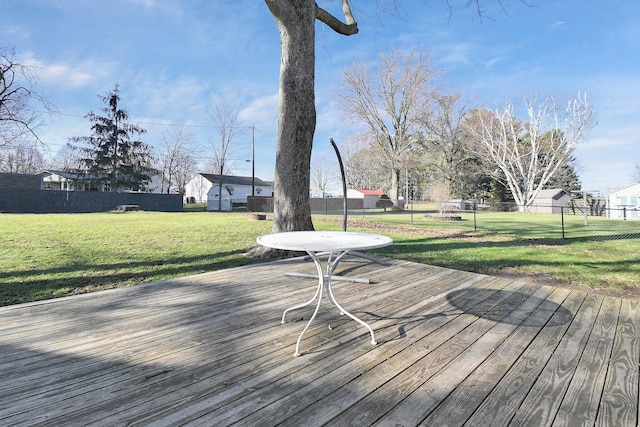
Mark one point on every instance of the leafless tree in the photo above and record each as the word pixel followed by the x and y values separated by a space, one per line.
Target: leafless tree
pixel 528 153
pixel 214 166
pixel 322 175
pixel 450 157
pixel 229 129
pixel 175 160
pixel 390 102
pixel 361 166
pixel 21 158
pixel 185 170
pixel 297 115
pixel 636 175
pixel 441 194
pixel 19 103
pixel 67 158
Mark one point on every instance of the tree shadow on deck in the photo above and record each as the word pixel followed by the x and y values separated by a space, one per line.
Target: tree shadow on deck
pixel 488 310
pixel 500 306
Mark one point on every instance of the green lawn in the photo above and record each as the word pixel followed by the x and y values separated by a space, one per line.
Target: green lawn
pixel 602 255
pixel 49 255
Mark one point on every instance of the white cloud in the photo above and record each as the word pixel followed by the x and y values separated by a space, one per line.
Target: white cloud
pixel 147 4
pixel 67 75
pixel 455 54
pixel 15 31
pixel 262 111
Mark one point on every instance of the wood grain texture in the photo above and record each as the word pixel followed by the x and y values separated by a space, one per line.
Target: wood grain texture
pixel 454 348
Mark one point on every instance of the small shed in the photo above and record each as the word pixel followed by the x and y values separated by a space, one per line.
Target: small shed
pixel 625 203
pixel 369 197
pixel 551 201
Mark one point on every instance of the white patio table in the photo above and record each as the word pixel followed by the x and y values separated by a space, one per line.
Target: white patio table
pixel 337 244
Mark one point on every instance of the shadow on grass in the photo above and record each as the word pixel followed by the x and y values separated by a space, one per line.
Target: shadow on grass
pixel 450 253
pixel 603 237
pixel 37 284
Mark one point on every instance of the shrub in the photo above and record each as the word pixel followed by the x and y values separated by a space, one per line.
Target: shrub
pixel 384 202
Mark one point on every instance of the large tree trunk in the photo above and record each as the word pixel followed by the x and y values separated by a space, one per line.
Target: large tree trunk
pixel 297 115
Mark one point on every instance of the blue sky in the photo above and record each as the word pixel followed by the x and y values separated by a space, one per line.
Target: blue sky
pixel 174 60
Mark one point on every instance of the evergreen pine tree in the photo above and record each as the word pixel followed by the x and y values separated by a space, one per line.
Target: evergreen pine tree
pixel 113 155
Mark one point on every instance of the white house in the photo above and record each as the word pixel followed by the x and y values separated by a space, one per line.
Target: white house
pixel 625 203
pixel 551 201
pixel 159 185
pixel 80 181
pixel 205 188
pixel 369 197
pixel 68 181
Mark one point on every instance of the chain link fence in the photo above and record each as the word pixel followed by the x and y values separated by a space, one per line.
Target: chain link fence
pixel 540 221
pixel 590 221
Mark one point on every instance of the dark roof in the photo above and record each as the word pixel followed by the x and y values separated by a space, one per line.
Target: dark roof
pixel 77 176
pixel 71 175
pixel 234 180
pixel 551 193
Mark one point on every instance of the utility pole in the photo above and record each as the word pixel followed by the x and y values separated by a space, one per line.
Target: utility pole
pixel 253 160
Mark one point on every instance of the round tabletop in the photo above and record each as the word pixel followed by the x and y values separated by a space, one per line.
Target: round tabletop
pixel 323 241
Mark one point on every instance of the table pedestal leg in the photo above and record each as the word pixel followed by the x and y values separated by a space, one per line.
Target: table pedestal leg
pixel 322 280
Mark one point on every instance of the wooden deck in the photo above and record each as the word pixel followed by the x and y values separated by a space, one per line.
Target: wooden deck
pixel 454 349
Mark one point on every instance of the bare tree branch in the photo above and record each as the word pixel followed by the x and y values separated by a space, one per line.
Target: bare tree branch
pixel 348 28
pixel 529 153
pixel 390 105
pixel 19 121
pixel 229 129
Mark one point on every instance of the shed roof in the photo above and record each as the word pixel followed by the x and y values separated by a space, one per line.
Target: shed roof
pixel 370 192
pixel 631 187
pixel 235 180
pixel 551 193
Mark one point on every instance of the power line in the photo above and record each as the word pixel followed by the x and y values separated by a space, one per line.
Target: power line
pixel 57 113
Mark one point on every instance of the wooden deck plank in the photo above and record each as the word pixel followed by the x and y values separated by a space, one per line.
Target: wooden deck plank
pixel 203 410
pixel 580 402
pixel 462 402
pixel 509 392
pixel 415 362
pixel 395 396
pixel 125 347
pixel 425 398
pixel 283 363
pixel 541 404
pixel 620 393
pixel 114 386
pixel 454 348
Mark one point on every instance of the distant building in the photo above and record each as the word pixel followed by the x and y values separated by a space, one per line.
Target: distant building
pixel 79 181
pixel 369 197
pixel 625 203
pixel 69 181
pixel 205 188
pixel 551 201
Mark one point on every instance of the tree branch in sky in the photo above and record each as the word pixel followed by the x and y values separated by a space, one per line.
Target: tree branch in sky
pixel 347 28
